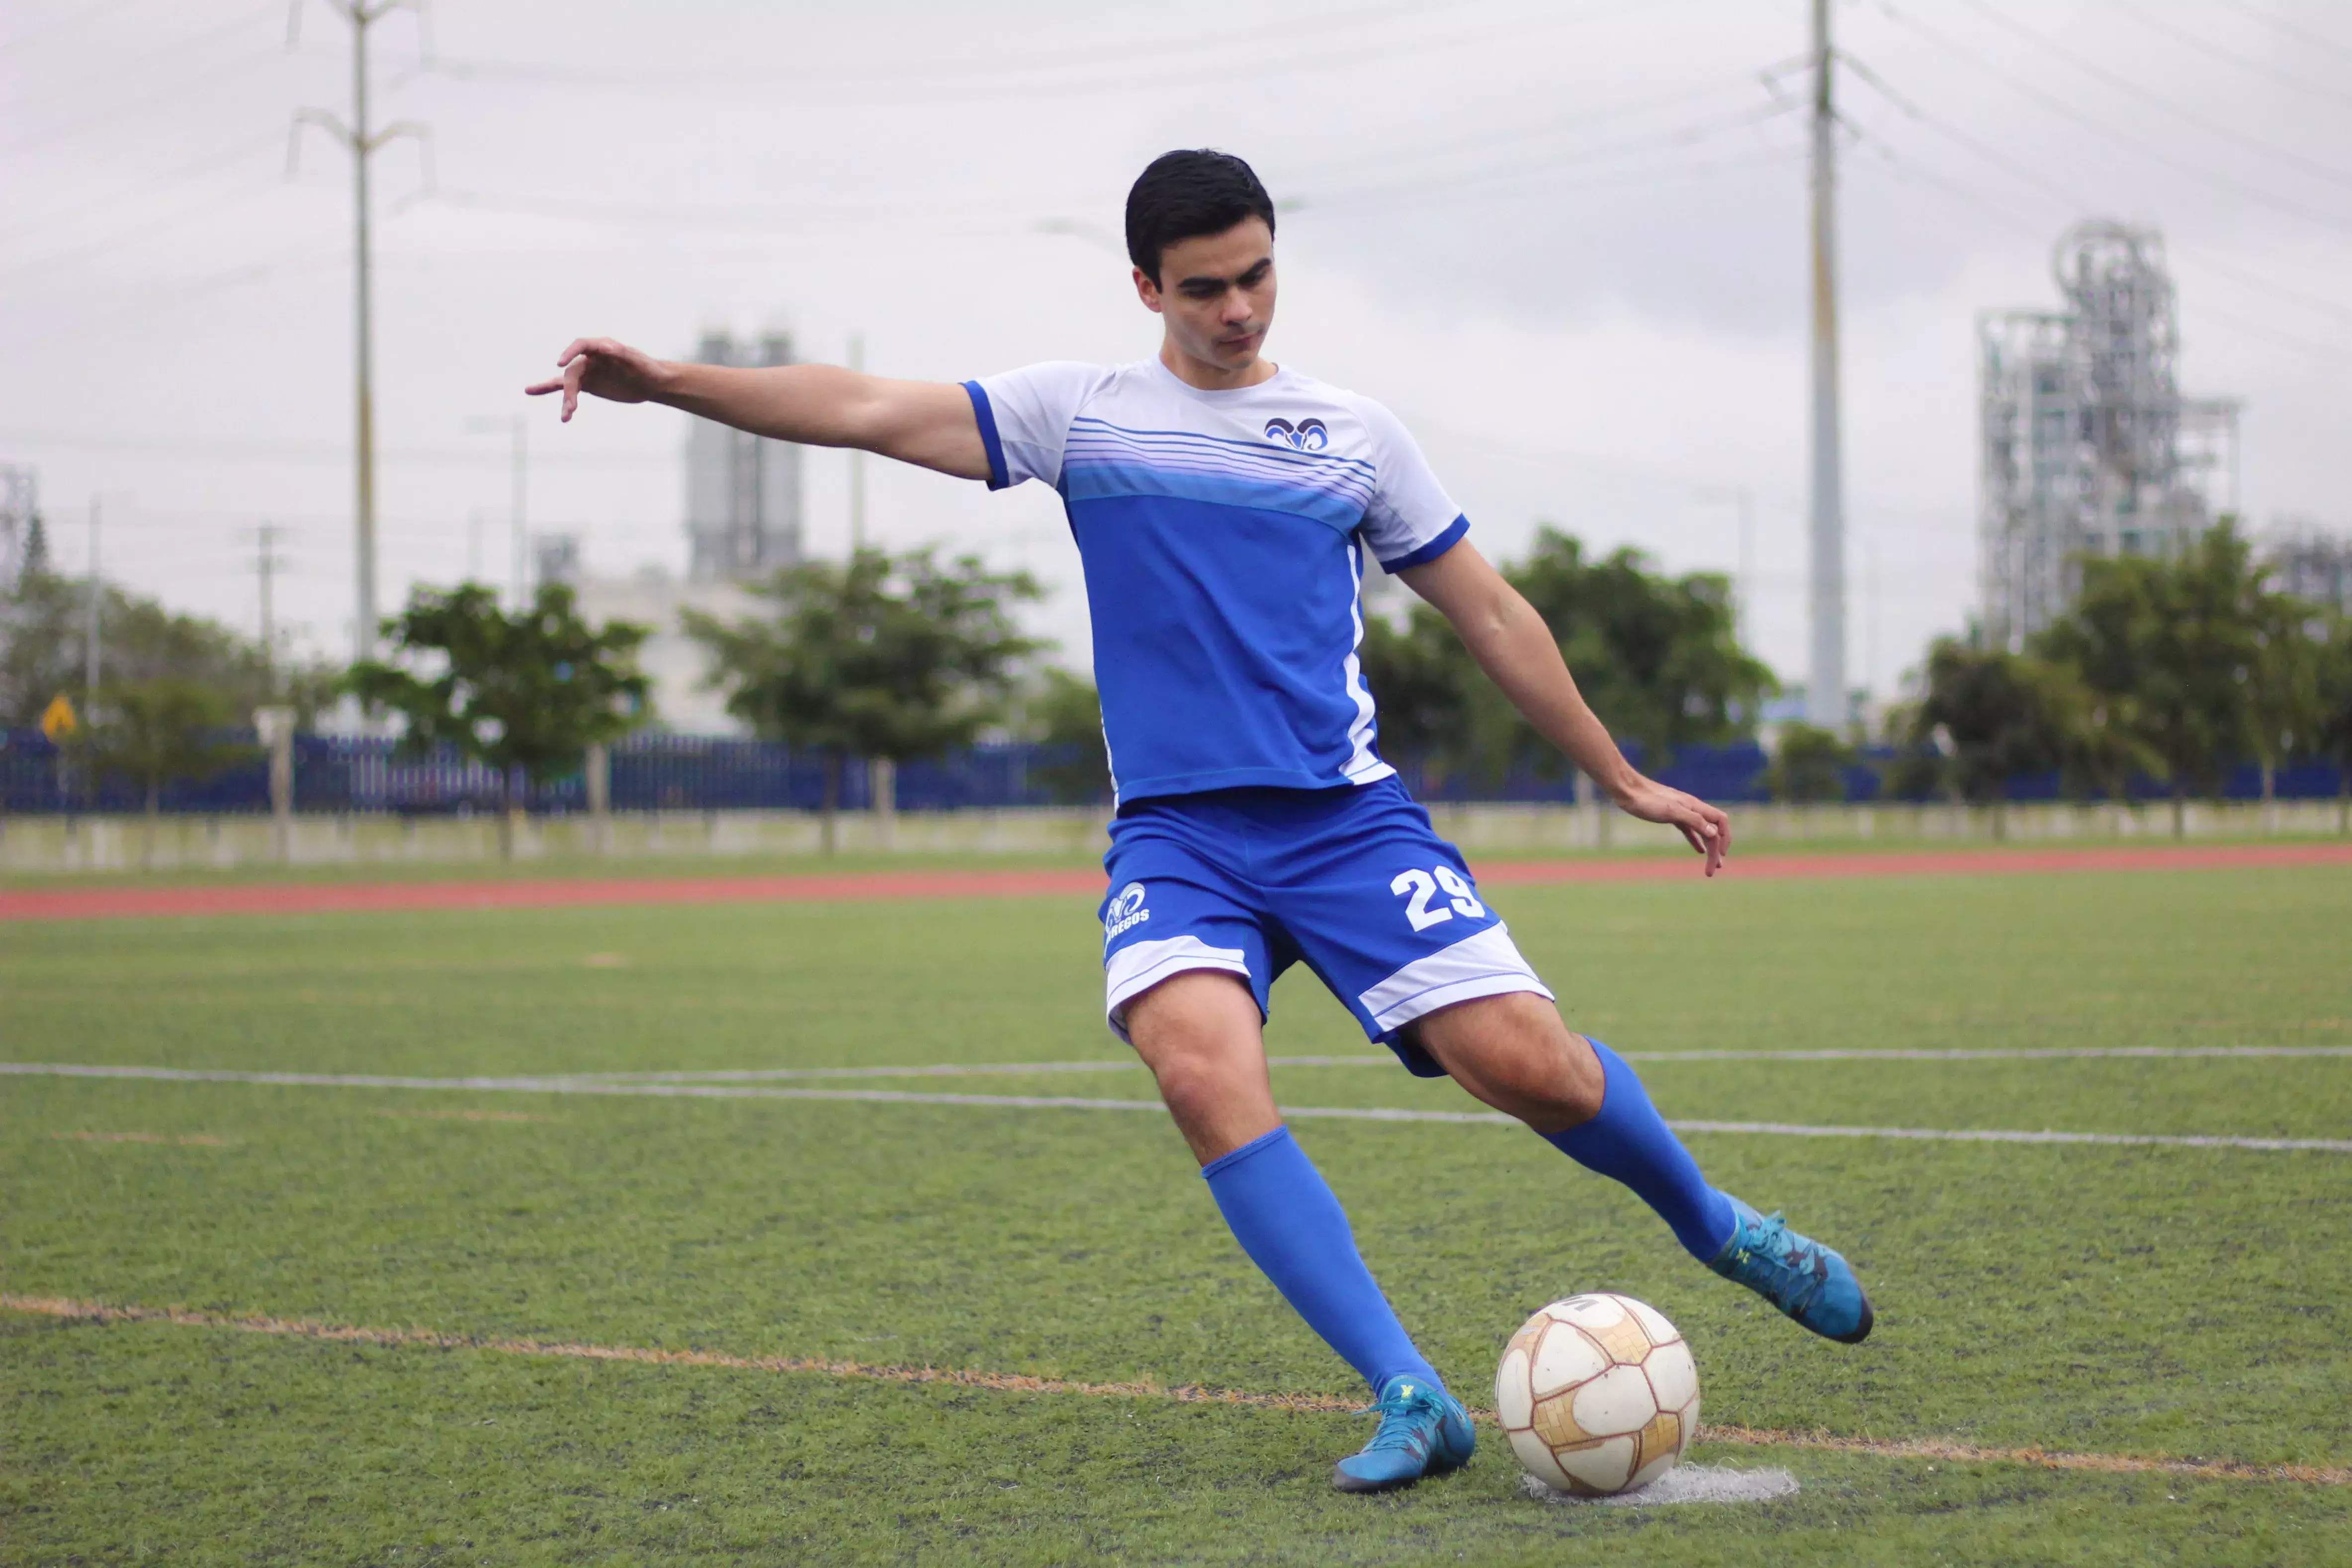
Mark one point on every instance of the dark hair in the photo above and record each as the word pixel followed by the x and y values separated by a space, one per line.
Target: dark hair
pixel 1187 194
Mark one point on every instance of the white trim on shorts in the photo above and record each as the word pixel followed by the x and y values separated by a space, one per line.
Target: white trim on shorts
pixel 1139 966
pixel 1486 964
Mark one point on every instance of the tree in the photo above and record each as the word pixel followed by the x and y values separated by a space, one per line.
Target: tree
pixel 2284 691
pixel 1809 764
pixel 1986 715
pixel 881 656
pixel 156 731
pixel 1436 711
pixel 37 550
pixel 1657 656
pixel 41 653
pixel 2331 734
pixel 1063 712
pixel 2175 644
pixel 527 692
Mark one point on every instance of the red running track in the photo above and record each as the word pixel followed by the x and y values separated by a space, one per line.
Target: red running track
pixel 351 898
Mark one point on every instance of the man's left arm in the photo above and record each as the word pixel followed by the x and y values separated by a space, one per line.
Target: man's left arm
pixel 1516 650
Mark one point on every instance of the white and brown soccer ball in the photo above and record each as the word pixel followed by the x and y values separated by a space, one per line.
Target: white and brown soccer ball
pixel 1598 1394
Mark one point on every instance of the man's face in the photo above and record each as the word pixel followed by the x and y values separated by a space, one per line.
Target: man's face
pixel 1216 294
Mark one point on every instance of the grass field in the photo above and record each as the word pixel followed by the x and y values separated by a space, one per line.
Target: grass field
pixel 2135 1300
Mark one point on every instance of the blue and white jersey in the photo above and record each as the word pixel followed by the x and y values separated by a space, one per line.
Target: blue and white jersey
pixel 1223 537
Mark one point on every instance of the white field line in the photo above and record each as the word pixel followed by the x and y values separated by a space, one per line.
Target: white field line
pixel 1067 1103
pixel 987 1070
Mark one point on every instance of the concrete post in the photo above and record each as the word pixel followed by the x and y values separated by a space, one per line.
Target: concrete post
pixel 882 784
pixel 600 794
pixel 275 727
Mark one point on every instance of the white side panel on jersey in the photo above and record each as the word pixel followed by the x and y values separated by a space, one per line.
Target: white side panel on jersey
pixel 1362 767
pixel 1139 966
pixel 1485 964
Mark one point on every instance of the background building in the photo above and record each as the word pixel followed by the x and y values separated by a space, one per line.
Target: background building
pixel 742 522
pixel 743 492
pixel 2088 444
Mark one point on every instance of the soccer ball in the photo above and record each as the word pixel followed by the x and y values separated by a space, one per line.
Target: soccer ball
pixel 1598 1394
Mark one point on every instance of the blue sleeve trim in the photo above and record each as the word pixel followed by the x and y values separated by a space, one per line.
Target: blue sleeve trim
pixel 997 476
pixel 1432 550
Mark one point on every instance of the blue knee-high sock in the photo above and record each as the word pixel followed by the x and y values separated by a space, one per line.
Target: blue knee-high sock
pixel 1629 1141
pixel 1285 1218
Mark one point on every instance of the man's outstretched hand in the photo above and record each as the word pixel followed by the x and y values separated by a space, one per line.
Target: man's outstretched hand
pixel 602 368
pixel 1706 826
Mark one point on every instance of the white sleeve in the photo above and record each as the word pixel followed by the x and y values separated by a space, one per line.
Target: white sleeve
pixel 1025 417
pixel 1410 519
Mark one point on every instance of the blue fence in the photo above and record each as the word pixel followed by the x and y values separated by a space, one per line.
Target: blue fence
pixel 691 772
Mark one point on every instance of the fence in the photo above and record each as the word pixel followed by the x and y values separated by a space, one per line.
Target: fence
pixel 665 773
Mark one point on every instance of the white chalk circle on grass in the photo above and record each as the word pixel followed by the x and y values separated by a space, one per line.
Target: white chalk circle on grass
pixel 1683 1483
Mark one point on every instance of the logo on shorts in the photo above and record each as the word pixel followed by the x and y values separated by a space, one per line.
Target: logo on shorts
pixel 1307 436
pixel 1124 911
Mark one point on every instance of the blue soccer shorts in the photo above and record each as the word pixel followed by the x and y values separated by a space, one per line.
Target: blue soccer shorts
pixel 1353 882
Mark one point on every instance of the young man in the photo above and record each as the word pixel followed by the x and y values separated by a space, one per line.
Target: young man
pixel 1223 506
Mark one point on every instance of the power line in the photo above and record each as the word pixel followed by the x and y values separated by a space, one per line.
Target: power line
pixel 2302 35
pixel 1122 70
pixel 203 165
pixel 114 115
pixel 175 52
pixel 2074 200
pixel 1964 193
pixel 2333 353
pixel 1454 181
pixel 2067 111
pixel 2205 48
pixel 153 224
pixel 235 449
pixel 1518 136
pixel 75 16
pixel 2125 85
pixel 211 284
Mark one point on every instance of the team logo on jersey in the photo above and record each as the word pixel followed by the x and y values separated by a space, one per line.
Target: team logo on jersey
pixel 1124 911
pixel 1307 436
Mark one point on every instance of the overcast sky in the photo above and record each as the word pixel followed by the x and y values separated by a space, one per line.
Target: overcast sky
pixel 1565 241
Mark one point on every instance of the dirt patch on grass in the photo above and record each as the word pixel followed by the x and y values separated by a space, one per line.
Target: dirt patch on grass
pixel 185 1139
pixel 1018 1383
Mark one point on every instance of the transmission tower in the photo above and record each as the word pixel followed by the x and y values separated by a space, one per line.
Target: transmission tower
pixel 362 144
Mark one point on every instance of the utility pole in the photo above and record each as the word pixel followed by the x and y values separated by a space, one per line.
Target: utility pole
pixel 89 622
pixel 856 462
pixel 265 563
pixel 1743 616
pixel 1825 681
pixel 362 144
pixel 517 426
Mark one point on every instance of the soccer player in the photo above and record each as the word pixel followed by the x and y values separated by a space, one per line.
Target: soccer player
pixel 1223 507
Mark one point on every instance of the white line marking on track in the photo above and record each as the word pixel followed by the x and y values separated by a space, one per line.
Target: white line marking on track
pixel 1067 1103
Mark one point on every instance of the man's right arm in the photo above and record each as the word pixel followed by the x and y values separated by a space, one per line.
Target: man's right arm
pixel 928 423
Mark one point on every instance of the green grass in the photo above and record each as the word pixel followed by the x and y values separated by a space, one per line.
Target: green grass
pixel 2131 1301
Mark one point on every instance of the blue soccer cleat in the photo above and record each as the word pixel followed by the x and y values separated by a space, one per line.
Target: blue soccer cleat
pixel 1424 1431
pixel 1800 1276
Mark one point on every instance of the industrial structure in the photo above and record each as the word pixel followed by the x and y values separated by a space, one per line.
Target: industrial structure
pixel 2310 564
pixel 2089 446
pixel 742 491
